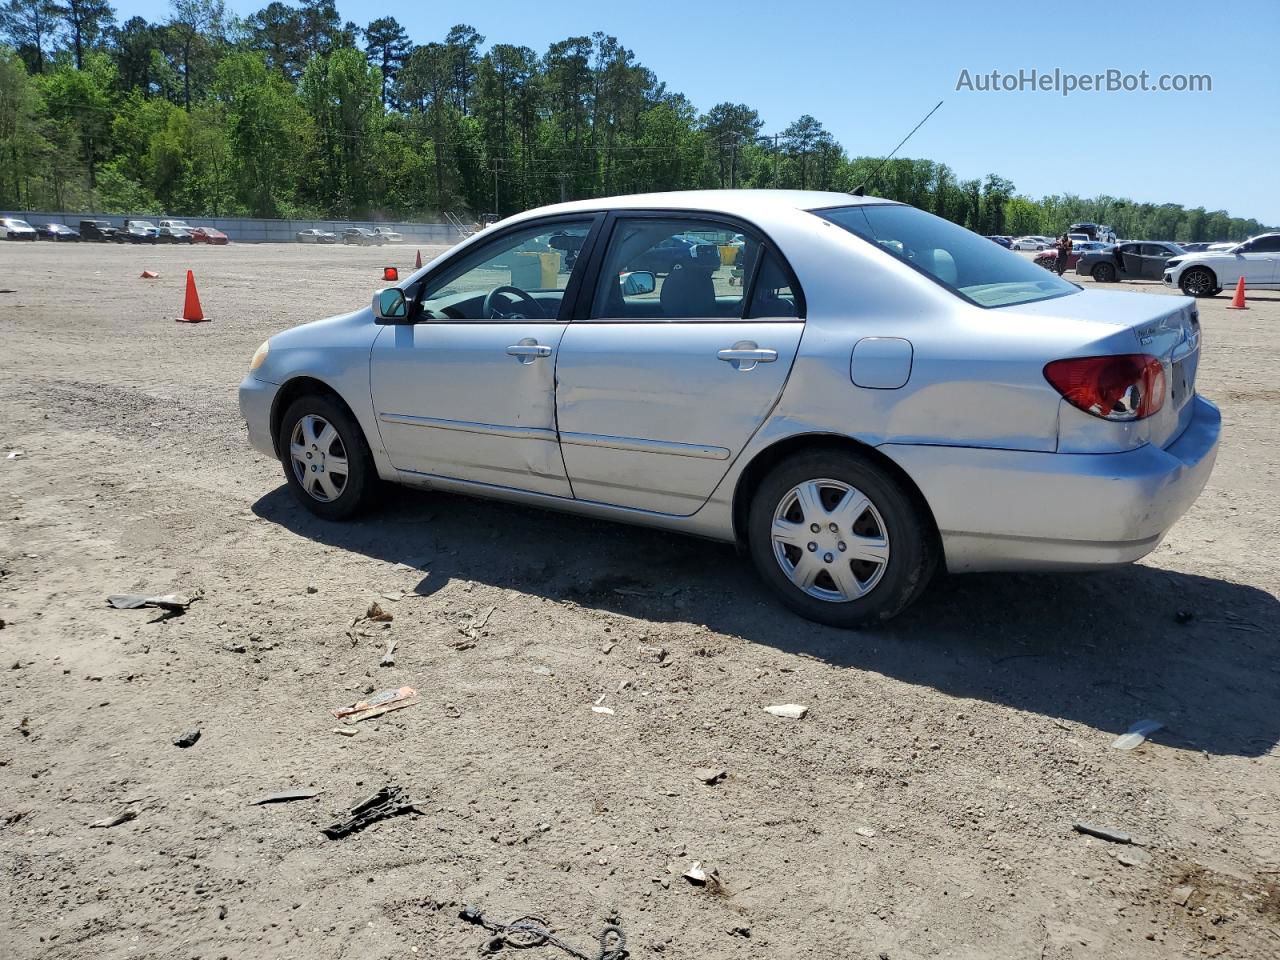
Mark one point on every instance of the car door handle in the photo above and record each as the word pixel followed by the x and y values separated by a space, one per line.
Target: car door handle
pixel 744 356
pixel 528 350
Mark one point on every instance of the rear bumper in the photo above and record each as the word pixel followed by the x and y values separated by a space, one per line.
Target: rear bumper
pixel 256 398
pixel 1017 510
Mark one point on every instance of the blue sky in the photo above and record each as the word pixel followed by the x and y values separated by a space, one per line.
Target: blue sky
pixel 869 72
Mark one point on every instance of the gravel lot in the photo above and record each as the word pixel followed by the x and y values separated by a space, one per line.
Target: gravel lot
pixel 923 808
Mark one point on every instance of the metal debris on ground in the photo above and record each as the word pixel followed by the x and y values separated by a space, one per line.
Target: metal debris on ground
pixel 382 702
pixel 285 796
pixel 124 816
pixel 710 775
pixel 188 739
pixel 789 711
pixel 532 931
pixel 173 602
pixel 1137 734
pixel 1102 833
pixel 390 801
pixel 15 455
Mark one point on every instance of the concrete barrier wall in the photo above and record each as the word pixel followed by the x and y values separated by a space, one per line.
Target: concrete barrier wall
pixel 247 230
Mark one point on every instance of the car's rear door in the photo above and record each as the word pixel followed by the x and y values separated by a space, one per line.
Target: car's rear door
pixel 467 391
pixel 657 393
pixel 1261 261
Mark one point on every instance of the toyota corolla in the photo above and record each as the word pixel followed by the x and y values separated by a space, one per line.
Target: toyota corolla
pixel 856 392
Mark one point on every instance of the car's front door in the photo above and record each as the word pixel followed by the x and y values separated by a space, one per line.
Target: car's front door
pixel 1131 260
pixel 467 390
pixel 1153 257
pixel 661 381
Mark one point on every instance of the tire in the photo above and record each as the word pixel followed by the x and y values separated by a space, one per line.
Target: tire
pixel 1104 273
pixel 891 524
pixel 1198 282
pixel 306 419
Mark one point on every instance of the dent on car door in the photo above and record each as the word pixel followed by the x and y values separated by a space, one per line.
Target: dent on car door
pixel 663 380
pixel 467 390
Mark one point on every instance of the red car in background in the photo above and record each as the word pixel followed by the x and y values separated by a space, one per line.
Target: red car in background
pixel 209 235
pixel 1049 258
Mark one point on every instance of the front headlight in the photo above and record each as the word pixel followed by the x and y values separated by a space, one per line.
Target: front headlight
pixel 260 356
pixel 1169 264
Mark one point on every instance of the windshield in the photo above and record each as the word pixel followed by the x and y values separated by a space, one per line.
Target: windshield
pixel 19 223
pixel 967 264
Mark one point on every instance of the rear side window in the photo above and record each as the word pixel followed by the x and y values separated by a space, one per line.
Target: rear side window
pixel 772 295
pixel 970 266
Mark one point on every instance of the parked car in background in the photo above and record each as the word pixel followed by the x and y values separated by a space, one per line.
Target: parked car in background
pixel 174 234
pixel 57 232
pixel 98 231
pixel 888 395
pixel 1003 241
pixel 362 237
pixel 1127 261
pixel 1196 246
pixel 178 224
pixel 1049 258
pixel 1227 245
pixel 675 252
pixel 315 235
pixel 138 231
pixel 209 235
pixel 11 228
pixel 1206 273
pixel 1027 243
pixel 388 235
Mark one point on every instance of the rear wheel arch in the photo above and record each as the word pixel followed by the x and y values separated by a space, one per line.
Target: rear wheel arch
pixel 764 461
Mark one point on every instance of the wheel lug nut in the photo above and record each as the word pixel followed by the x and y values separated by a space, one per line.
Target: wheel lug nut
pixel 308 456
pixel 814 528
pixel 827 557
pixel 833 528
pixel 842 546
pixel 812 546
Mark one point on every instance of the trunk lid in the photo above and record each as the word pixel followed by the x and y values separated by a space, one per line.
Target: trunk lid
pixel 1164 327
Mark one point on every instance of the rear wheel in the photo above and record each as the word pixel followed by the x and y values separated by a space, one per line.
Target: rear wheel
pixel 1104 273
pixel 326 459
pixel 1198 282
pixel 839 539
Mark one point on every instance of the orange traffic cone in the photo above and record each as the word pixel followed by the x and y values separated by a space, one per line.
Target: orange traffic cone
pixel 1237 302
pixel 417 263
pixel 191 312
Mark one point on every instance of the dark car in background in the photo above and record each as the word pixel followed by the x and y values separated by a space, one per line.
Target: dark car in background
pixel 98 231
pixel 1005 242
pixel 315 235
pixel 1199 246
pixel 167 234
pixel 678 251
pixel 57 232
pixel 362 237
pixel 1128 261
pixel 138 231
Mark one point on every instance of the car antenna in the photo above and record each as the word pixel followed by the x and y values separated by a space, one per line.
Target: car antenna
pixel 861 189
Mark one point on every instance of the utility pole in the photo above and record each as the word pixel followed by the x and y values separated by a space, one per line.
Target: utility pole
pixel 497 167
pixel 564 179
pixel 773 137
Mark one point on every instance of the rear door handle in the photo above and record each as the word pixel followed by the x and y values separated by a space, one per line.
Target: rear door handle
pixel 528 350
pixel 744 356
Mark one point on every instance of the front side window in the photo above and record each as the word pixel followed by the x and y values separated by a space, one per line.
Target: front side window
pixel 688 269
pixel 1264 245
pixel 521 275
pixel 970 266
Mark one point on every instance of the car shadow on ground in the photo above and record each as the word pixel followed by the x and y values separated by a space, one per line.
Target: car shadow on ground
pixel 1104 649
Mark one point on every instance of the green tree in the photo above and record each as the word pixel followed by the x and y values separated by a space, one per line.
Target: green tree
pixel 22 141
pixel 386 44
pixel 341 91
pixel 197 26
pixel 31 26
pixel 87 22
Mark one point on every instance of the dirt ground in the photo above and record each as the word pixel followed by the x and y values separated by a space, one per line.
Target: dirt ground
pixel 923 808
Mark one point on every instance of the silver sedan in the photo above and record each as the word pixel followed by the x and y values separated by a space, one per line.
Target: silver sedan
pixel 857 392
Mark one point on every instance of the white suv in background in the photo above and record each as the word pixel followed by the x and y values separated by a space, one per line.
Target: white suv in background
pixel 1207 273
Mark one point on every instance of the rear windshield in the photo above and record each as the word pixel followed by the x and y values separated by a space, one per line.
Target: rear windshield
pixel 970 266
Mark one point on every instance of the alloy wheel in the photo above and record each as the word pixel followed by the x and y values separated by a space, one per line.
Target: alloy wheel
pixel 830 540
pixel 319 458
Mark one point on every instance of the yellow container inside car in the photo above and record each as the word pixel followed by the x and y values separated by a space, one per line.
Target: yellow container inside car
pixel 728 255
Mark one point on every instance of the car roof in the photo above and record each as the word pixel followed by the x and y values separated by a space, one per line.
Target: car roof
pixel 725 201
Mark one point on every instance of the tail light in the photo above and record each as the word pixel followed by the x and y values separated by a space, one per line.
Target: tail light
pixel 1128 386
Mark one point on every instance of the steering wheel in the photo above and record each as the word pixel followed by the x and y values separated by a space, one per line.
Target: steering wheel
pixel 491 311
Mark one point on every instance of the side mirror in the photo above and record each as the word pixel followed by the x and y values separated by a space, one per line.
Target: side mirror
pixel 390 306
pixel 637 283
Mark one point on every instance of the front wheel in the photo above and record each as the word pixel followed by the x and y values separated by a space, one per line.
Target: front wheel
pixel 839 539
pixel 326 459
pixel 1198 282
pixel 1104 273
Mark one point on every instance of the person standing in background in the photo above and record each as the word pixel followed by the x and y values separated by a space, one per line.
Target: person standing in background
pixel 1064 253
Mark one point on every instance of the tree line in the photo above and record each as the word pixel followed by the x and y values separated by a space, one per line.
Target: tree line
pixel 293 112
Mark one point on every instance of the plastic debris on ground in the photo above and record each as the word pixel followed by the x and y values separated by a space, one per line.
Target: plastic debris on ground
pixel 173 602
pixel 789 711
pixel 396 698
pixel 1137 735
